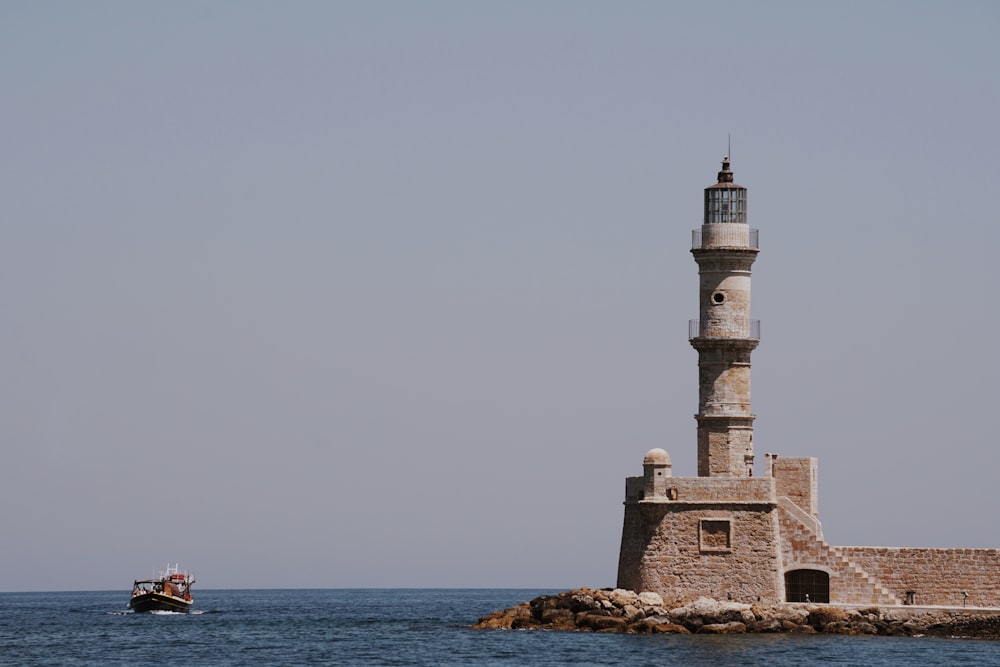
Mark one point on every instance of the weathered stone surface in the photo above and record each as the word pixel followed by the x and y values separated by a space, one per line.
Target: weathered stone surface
pixel 600 622
pixel 975 571
pixel 556 615
pixel 794 615
pixel 709 611
pixel 632 613
pixel 621 597
pixel 766 625
pixel 956 625
pixel 655 626
pixel 723 628
pixel 650 599
pixel 504 620
pixel 589 610
pixel 866 628
pixel 801 629
pixel 820 617
pixel 841 628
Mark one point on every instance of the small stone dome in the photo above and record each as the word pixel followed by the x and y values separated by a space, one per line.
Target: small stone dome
pixel 656 456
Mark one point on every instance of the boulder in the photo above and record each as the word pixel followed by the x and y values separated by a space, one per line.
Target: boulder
pixel 652 627
pixel 505 620
pixel 795 615
pixel 600 623
pixel 723 628
pixel 650 599
pixel 873 613
pixel 556 616
pixel 766 625
pixel 632 614
pixel 621 597
pixel 708 611
pixel 583 602
pixel 865 628
pixel 820 617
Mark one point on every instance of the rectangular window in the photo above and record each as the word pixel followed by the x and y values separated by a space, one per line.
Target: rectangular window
pixel 715 536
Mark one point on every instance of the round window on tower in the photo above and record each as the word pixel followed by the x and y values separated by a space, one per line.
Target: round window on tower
pixel 718 297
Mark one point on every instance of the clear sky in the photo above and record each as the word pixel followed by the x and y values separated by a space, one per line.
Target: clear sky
pixel 380 294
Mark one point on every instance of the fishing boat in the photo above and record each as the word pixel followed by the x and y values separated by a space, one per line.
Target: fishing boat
pixel 170 591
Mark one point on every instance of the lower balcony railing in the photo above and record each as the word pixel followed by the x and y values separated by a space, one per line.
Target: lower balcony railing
pixel 744 329
pixel 724 236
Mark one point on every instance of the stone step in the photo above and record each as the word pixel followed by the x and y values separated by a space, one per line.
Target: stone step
pixel 800 532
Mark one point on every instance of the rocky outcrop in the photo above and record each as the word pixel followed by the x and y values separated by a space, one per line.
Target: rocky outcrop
pixel 607 610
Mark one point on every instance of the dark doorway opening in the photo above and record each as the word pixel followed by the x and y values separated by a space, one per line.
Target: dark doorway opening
pixel 807 586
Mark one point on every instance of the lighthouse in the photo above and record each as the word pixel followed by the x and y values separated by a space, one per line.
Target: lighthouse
pixel 731 535
pixel 724 335
pixel 719 533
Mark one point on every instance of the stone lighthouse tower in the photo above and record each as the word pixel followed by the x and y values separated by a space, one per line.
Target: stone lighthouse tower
pixel 724 335
pixel 717 534
pixel 730 535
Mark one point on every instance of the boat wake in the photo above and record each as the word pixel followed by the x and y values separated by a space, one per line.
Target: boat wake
pixel 157 612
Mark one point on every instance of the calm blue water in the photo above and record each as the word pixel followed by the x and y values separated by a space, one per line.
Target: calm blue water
pixel 397 627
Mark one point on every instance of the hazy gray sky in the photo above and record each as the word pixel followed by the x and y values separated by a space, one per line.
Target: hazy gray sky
pixel 324 294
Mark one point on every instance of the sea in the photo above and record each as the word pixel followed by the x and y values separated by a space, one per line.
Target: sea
pixel 399 627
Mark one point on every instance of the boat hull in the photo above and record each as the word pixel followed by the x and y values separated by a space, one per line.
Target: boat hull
pixel 158 602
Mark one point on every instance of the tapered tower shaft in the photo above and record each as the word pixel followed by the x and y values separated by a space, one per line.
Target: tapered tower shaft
pixel 724 335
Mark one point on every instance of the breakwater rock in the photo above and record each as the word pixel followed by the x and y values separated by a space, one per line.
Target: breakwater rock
pixel 607 610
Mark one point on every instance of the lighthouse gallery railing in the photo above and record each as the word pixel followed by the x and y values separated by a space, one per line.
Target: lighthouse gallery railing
pixel 745 329
pixel 724 236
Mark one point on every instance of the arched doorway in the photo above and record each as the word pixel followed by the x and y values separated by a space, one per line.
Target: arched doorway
pixel 807 586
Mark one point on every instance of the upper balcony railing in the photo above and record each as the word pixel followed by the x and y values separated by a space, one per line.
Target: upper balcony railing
pixel 724 236
pixel 742 330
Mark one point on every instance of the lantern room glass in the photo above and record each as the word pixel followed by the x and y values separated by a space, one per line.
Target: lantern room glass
pixel 725 205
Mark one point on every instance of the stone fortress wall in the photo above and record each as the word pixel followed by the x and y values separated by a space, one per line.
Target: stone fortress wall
pixel 933 576
pixel 693 549
pixel 737 538
pixel 684 535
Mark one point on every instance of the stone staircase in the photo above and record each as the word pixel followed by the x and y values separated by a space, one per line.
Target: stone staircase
pixel 803 546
